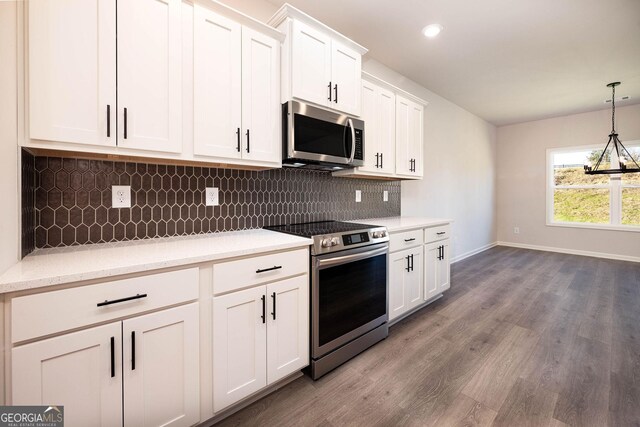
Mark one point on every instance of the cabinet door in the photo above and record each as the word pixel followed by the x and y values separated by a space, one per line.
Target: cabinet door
pixel 346 73
pixel 416 137
pixel 75 370
pixel 217 56
pixel 161 368
pixel 288 327
pixel 311 65
pixel 414 281
pixel 239 346
pixel 399 264
pixel 433 267
pixel 403 114
pixel 72 71
pixel 370 109
pixel 261 111
pixel 149 75
pixel 386 128
pixel 444 267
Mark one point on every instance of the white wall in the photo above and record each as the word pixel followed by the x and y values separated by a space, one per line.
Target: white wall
pixel 522 179
pixel 9 222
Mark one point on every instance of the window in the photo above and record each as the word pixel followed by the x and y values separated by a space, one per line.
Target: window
pixel 602 201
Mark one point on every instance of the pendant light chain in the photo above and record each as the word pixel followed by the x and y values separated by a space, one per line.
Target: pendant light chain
pixel 613 110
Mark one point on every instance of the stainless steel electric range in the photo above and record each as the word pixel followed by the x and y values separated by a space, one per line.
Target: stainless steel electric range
pixel 349 280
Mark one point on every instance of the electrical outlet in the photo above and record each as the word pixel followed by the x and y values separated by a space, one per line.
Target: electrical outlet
pixel 385 196
pixel 211 196
pixel 516 230
pixel 121 196
pixel 358 196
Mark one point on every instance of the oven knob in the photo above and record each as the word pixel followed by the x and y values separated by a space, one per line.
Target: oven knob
pixel 379 234
pixel 335 241
pixel 326 243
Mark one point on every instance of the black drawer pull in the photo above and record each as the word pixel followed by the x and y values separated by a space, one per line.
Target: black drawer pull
pixel 113 357
pixel 410 240
pixel 440 233
pixel 264 270
pixel 115 301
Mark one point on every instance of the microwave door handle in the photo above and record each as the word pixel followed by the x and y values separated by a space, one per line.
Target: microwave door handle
pixel 353 141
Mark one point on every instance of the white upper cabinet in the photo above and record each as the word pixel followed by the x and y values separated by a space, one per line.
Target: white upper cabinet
pixel 236 82
pixel 346 72
pixel 217 89
pixel 261 112
pixel 310 64
pixel 149 75
pixel 319 65
pixel 72 71
pixel 378 113
pixel 409 137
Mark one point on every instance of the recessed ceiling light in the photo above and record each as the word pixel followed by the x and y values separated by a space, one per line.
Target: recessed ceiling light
pixel 432 30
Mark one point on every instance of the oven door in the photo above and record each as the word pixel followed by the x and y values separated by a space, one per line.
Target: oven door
pixel 349 296
pixel 323 136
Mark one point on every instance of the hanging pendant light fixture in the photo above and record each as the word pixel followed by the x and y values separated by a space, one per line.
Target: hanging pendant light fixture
pixel 621 152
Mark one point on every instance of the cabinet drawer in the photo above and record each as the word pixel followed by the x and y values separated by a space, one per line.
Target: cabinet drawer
pixel 242 273
pixel 433 234
pixel 407 239
pixel 47 313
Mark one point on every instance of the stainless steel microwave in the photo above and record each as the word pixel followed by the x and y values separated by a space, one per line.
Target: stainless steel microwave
pixel 315 138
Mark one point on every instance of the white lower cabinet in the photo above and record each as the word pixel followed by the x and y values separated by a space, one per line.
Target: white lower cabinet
pixel 405 287
pixel 260 335
pixel 437 271
pixel 149 364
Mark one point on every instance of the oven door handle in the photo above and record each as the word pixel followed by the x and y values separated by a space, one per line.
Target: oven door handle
pixel 353 141
pixel 322 263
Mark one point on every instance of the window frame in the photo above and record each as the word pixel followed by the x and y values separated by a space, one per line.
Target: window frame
pixel 615 187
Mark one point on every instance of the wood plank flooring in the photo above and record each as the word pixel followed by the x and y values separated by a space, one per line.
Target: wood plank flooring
pixel 523 338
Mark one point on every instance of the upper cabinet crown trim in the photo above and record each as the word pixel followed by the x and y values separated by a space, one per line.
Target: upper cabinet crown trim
pixel 241 18
pixel 288 11
pixel 378 81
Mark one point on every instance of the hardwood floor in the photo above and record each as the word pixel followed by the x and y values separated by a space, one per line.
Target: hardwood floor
pixel 523 338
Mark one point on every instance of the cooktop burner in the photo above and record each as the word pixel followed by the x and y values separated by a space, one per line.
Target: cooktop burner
pixel 319 228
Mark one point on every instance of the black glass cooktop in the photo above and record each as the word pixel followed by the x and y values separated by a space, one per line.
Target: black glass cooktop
pixel 319 228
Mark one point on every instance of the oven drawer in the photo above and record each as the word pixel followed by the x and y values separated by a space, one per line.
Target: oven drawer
pixel 243 273
pixel 407 239
pixel 433 234
pixel 48 313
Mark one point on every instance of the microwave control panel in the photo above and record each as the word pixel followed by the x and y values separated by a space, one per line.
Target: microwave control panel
pixel 358 152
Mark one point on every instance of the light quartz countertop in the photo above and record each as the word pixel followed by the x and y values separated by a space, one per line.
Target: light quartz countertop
pixel 395 224
pixel 48 267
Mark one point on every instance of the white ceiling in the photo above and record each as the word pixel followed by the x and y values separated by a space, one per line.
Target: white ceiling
pixel 506 61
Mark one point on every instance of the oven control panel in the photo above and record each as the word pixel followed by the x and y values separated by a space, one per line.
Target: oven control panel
pixel 354 239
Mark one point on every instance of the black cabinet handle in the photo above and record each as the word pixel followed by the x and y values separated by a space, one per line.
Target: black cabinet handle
pixel 442 256
pixel 115 301
pixel 440 233
pixel 377 159
pixel 125 123
pixel 264 270
pixel 410 240
pixel 133 350
pixel 408 267
pixel 113 357
pixel 411 262
pixel 264 309
pixel 273 313
pixel 381 160
pixel 440 252
pixel 329 91
pixel 335 88
pixel 108 121
pixel 248 141
pixel 238 137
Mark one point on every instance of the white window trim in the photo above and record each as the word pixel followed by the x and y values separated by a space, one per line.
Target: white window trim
pixel 615 194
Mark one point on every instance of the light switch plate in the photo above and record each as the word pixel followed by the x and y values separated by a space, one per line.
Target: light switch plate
pixel 211 196
pixel 385 196
pixel 358 196
pixel 121 196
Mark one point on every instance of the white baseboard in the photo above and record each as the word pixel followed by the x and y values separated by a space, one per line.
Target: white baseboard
pixel 473 252
pixel 571 251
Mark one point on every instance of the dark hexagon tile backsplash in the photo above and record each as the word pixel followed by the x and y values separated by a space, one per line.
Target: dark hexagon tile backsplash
pixel 73 200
